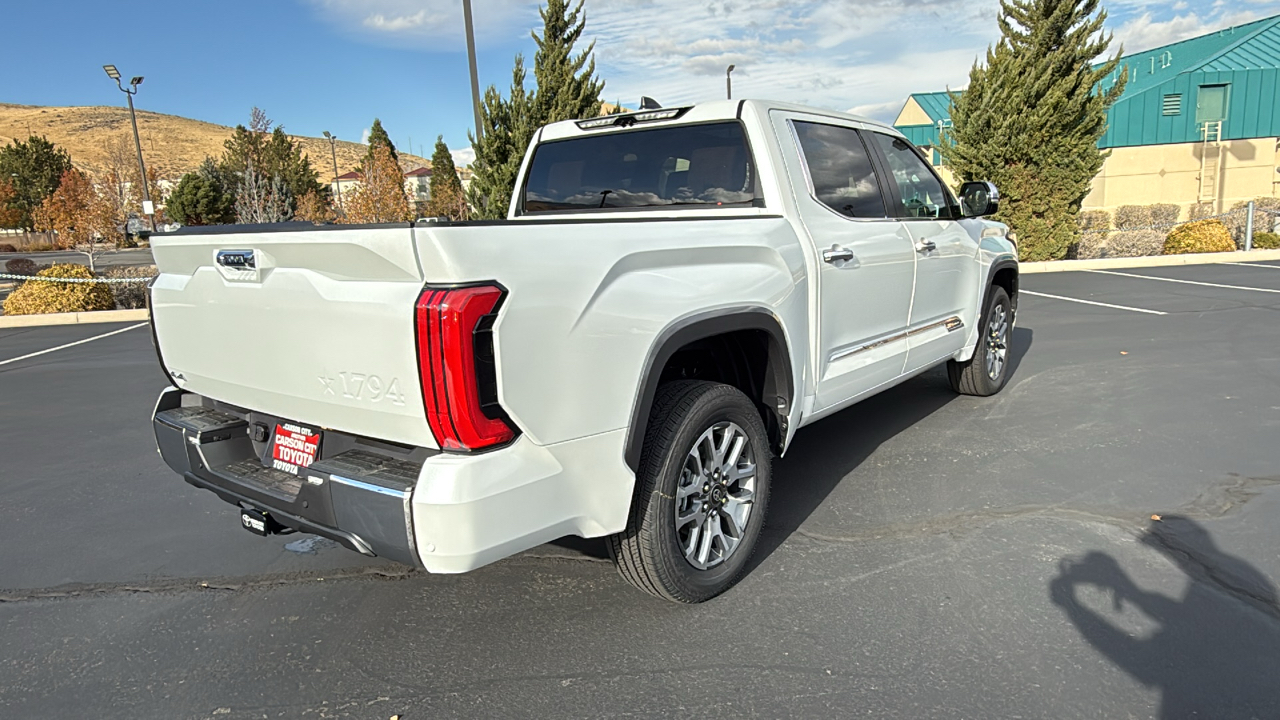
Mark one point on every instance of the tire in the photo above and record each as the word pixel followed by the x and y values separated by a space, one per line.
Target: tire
pixel 651 552
pixel 975 375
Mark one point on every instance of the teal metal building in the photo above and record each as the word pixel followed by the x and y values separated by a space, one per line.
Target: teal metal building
pixel 1217 94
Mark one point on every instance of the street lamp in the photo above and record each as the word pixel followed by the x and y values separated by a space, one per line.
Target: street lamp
pixel 148 208
pixel 471 60
pixel 337 187
pixel 728 82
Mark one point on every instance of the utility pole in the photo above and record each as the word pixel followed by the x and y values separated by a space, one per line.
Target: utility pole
pixel 337 187
pixel 471 60
pixel 728 82
pixel 148 208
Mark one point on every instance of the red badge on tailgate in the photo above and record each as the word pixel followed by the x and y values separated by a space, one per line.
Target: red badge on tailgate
pixel 293 448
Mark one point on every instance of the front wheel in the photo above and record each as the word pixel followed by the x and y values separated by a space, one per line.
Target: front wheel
pixel 701 493
pixel 987 371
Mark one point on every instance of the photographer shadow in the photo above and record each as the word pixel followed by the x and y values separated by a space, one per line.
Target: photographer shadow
pixel 1210 655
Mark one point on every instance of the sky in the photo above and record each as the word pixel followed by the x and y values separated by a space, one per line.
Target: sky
pixel 317 65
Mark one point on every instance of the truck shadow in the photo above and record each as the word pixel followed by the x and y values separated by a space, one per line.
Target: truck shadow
pixel 1207 654
pixel 822 455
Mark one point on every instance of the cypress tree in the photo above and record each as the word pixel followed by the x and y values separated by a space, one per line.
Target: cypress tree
pixel 378 137
pixel 566 89
pixel 507 125
pixel 567 86
pixel 1032 116
pixel 447 198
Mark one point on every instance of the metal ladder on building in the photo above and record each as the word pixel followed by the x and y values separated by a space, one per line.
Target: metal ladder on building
pixel 1210 161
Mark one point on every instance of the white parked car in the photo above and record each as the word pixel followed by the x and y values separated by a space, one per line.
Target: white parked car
pixel 674 294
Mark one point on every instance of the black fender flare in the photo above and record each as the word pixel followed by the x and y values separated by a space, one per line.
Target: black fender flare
pixel 997 266
pixel 779 384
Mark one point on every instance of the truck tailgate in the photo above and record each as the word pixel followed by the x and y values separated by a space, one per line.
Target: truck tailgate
pixel 319 330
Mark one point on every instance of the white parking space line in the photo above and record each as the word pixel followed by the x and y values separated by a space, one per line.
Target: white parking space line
pixel 1269 267
pixel 1184 282
pixel 78 342
pixel 1092 302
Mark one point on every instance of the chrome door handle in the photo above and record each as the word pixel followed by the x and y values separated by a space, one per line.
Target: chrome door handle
pixel 837 254
pixel 925 246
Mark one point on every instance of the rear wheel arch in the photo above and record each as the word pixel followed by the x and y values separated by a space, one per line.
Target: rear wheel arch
pixel 744 347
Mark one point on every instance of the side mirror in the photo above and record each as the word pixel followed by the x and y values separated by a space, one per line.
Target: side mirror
pixel 979 198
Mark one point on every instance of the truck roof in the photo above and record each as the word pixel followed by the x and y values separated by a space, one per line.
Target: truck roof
pixel 717 110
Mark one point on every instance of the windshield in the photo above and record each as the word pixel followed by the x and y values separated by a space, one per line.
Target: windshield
pixel 689 165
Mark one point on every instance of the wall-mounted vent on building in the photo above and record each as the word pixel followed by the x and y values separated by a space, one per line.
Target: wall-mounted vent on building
pixel 1172 104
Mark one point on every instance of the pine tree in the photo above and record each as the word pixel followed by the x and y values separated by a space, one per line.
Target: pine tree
pixel 447 197
pixel 566 89
pixel 1031 118
pixel 203 197
pixel 35 168
pixel 378 137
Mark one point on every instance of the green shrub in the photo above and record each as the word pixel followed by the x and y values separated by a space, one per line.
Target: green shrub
pixel 1266 241
pixel 7 248
pixel 130 296
pixel 35 297
pixel 1203 236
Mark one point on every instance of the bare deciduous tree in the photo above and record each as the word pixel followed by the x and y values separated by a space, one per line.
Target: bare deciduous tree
pixel 262 200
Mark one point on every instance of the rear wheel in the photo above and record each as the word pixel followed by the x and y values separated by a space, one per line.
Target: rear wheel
pixel 701 493
pixel 988 370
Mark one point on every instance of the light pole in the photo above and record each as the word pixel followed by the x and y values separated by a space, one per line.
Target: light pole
pixel 148 208
pixel 337 187
pixel 471 60
pixel 728 82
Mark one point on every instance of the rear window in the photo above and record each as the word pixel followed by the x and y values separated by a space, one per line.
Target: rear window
pixel 686 165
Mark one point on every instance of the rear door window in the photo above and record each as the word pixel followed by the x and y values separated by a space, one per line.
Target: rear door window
pixel 706 165
pixel 840 170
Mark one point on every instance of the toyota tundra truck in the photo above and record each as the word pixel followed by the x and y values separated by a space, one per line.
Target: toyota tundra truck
pixel 673 294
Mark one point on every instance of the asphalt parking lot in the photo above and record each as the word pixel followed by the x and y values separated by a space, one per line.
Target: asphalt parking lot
pixel 928 555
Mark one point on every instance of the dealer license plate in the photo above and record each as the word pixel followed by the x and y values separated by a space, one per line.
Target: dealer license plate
pixel 293 447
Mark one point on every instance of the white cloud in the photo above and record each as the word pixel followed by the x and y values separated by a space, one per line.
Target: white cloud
pixel 463 157
pixel 378 21
pixel 1144 32
pixel 884 112
pixel 364 135
pixel 866 54
pixel 406 23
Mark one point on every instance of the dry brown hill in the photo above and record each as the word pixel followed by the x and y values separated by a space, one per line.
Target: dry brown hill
pixel 172 145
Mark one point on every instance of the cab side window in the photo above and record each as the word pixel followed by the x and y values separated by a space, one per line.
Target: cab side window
pixel 840 169
pixel 922 194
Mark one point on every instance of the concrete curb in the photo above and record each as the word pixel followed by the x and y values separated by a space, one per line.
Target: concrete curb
pixel 1155 261
pixel 74 318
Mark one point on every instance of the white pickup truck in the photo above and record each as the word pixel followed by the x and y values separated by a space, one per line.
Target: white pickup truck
pixel 674 294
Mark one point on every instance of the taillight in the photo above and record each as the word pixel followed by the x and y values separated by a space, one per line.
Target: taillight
pixel 451 323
